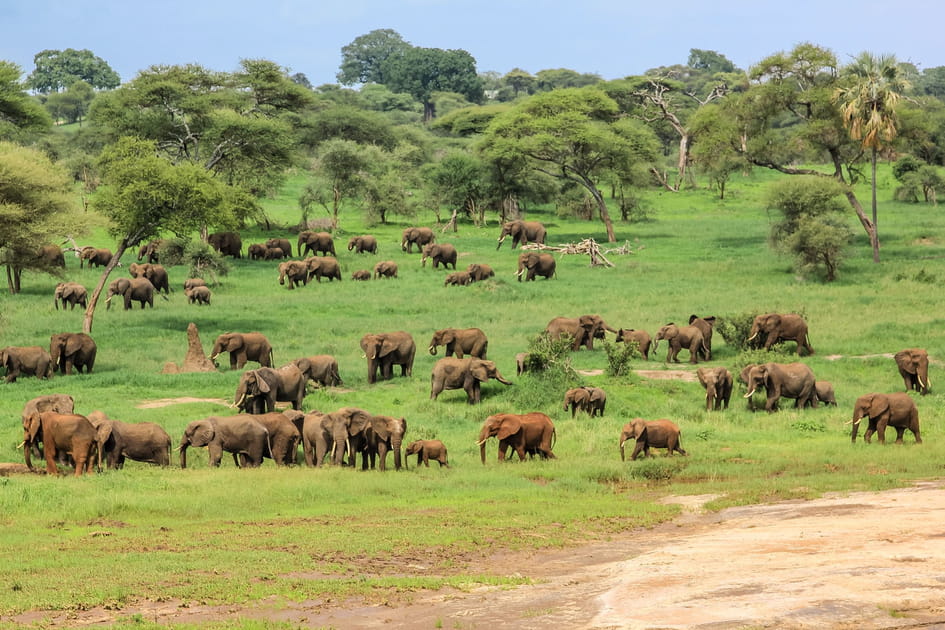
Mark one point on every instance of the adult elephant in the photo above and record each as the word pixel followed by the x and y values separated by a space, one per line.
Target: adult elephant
pixel 149 252
pixel 95 256
pixel 345 428
pixel 480 271
pixel 64 433
pixel 384 434
pixel 441 253
pixel 142 442
pixel 591 400
pixel 361 244
pixel 582 330
pixel 913 364
pixel 316 243
pixel 522 232
pixel 51 256
pixel 259 390
pixel 656 434
pixel 467 374
pixel 790 380
pixel 419 236
pixel 678 338
pixel 385 350
pixel 132 290
pixel 243 347
pixel 639 337
pixel 71 292
pixel 296 271
pixel 321 368
pixel 706 325
pixel 317 440
pixel 894 410
pixel 242 436
pixel 717 383
pixel 157 274
pixel 227 243
pixel 26 361
pixel 385 269
pixel 530 432
pixel 537 264
pixel 460 341
pixel 70 350
pixel 323 267
pixel 62 403
pixel 775 328
pixel 280 243
pixel 256 251
pixel 284 435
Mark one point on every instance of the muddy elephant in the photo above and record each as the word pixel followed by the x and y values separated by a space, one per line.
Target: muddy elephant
pixel 706 325
pixel 480 271
pixel 894 410
pixel 243 347
pixel 316 243
pixel 655 433
pixel 280 243
pixel 639 337
pixel 385 350
pixel 284 435
pixel 259 390
pixel 141 442
pixel 441 253
pixel 60 433
pixel 772 328
pixel 70 350
pixel 227 243
pixel 132 290
pixel 71 292
pixel 679 338
pixel 296 271
pixel 788 380
pixel 256 251
pixel 198 295
pixel 62 403
pixel 913 365
pixel 361 275
pixel 385 269
pixel 823 393
pixel 425 450
pixel 363 244
pixel 522 232
pixel 717 383
pixel 582 330
pixel 419 236
pixel 241 435
pixel 590 400
pixel 97 257
pixel 384 434
pixel 323 267
pixel 157 274
pixel 51 256
pixel 321 368
pixel 458 279
pixel 460 342
pixel 467 374
pixel 537 264
pixel 26 361
pixel 525 433
pixel 149 252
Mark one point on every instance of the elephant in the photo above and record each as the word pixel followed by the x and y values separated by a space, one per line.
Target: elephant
pixel 655 433
pixel 296 271
pixel 362 244
pixel 284 435
pixel 323 267
pixel 316 242
pixel 823 393
pixel 480 271
pixel 591 400
pixel 198 295
pixel 440 253
pixel 317 439
pixel 523 232
pixel 192 283
pixel 582 330
pixel 537 264
pixel 321 368
pixel 65 433
pixel 26 361
pixel 227 243
pixel 281 243
pixel 790 380
pixel 383 434
pixel 361 275
pixel 243 347
pixel 639 337
pixel 157 274
pixel 259 390
pixel 274 253
pixel 385 269
pixel 894 410
pixel 150 250
pixel 131 289
pixel 419 236
pixel 777 328
pixel 51 256
pixel 256 251
pixel 142 442
pixel 679 337
pixel 242 436
pixel 458 279
pixel 385 350
pixel 62 403
pixel 530 432
pixel 95 256
pixel 913 365
pixel 343 427
pixel 743 377
pixel 717 383
pixel 467 374
pixel 425 450
pixel 521 363
pixel 70 350
pixel 460 341
pixel 706 325
pixel 71 292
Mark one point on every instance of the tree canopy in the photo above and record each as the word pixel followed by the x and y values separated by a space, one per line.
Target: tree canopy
pixel 56 70
pixel 421 72
pixel 363 59
pixel 20 114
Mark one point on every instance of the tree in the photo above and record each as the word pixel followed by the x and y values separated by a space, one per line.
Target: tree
pixel 709 61
pixel 459 181
pixel 868 107
pixel 347 123
pixel 520 81
pixel 421 72
pixel 71 104
pixel 58 69
pixel 558 78
pixel 363 59
pixel 712 152
pixel 20 114
pixel 341 166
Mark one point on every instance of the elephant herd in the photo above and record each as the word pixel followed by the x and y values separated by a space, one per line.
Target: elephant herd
pixel 67 351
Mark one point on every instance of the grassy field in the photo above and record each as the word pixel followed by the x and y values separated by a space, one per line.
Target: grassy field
pixel 239 536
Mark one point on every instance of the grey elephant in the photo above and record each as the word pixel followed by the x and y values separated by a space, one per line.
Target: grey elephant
pixel 243 347
pixel 316 243
pixel 98 257
pixel 317 440
pixel 256 251
pixel 198 295
pixel 241 435
pixel 157 274
pixel 192 283
pixel 480 271
pixel 259 390
pixel 280 243
pixel 467 374
pixel 894 410
pixel 536 264
pixel 51 256
pixel 69 350
pixel 72 293
pixel 458 279
pixel 823 393
pixel 138 290
pixel 441 253
pixel 150 251
pixel 345 428
pixel 772 328
pixel 227 243
pixel 717 383
pixel 419 236
pixel 524 433
pixel 706 325
pixel 141 442
pixel 361 275
pixel 655 433
pixel 26 361
pixel 425 450
pixel 913 364
pixel 460 342
pixel 385 269
pixel 590 400
pixel 385 350
pixel 384 434
pixel 323 267
pixel 284 434
pixel 521 363
pixel 639 337
pixel 361 244
pixel 296 271
pixel 522 232
pixel 790 380
pixel 582 330
pixel 678 338
pixel 321 368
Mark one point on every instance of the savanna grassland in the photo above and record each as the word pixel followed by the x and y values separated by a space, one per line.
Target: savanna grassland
pixel 240 536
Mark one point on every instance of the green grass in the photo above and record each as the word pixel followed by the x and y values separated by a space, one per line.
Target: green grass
pixel 240 536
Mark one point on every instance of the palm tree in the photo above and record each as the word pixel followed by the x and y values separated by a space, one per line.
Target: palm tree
pixel 868 108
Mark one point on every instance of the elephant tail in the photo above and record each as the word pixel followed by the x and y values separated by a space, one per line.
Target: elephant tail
pixel 554 438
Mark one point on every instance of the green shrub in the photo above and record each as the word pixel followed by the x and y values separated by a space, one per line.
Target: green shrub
pixel 618 357
pixel 735 329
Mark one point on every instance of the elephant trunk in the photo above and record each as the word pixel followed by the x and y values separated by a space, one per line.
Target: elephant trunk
pixel 395 444
pixel 27 447
pixel 499 378
pixel 482 451
pixel 338 454
pixel 183 454
pixel 432 350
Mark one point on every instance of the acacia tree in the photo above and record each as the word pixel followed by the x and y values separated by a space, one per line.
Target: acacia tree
pixel 20 115
pixel 340 169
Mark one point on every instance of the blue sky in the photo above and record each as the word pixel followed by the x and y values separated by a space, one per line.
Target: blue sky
pixel 609 37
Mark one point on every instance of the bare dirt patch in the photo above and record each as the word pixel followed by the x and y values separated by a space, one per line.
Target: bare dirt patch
pixel 167 402
pixel 668 375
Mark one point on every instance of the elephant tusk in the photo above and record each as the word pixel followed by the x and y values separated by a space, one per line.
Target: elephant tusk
pixel 240 401
pixel 432 349
pixel 748 395
pixel 214 356
pixel 481 442
pixel 753 336
pixel 622 443
pixel 20 445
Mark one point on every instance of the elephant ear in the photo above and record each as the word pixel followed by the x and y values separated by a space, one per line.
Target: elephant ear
pixel 358 420
pixel 262 383
pixel 878 406
pixel 479 370
pixel 510 426
pixel 906 361
pixel 387 346
pixel 304 365
pixel 772 321
pixel 73 344
pixel 34 425
pixel 203 433
pixel 639 428
pixel 364 343
pixel 383 426
pixel 234 342
pixel 103 432
pixel 701 373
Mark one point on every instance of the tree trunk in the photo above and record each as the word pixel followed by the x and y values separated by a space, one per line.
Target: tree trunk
pixel 10 281
pixel 93 300
pixel 604 215
pixel 874 236
pixel 685 141
pixel 429 111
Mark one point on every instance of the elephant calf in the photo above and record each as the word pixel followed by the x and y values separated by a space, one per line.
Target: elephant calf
pixel 198 295
pixel 590 400
pixel 425 450
pixel 718 387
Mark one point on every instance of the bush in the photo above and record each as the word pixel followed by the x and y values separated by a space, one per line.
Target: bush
pixel 618 358
pixel 204 261
pixel 735 329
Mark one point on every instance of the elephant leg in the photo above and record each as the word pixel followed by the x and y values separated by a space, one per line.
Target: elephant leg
pixel 881 431
pixel 381 456
pixel 900 431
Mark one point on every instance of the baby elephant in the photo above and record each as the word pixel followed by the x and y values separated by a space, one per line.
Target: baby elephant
pixel 823 393
pixel 591 400
pixel 458 279
pixel 425 450
pixel 198 295
pixel 361 274
pixel 718 387
pixel 658 434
